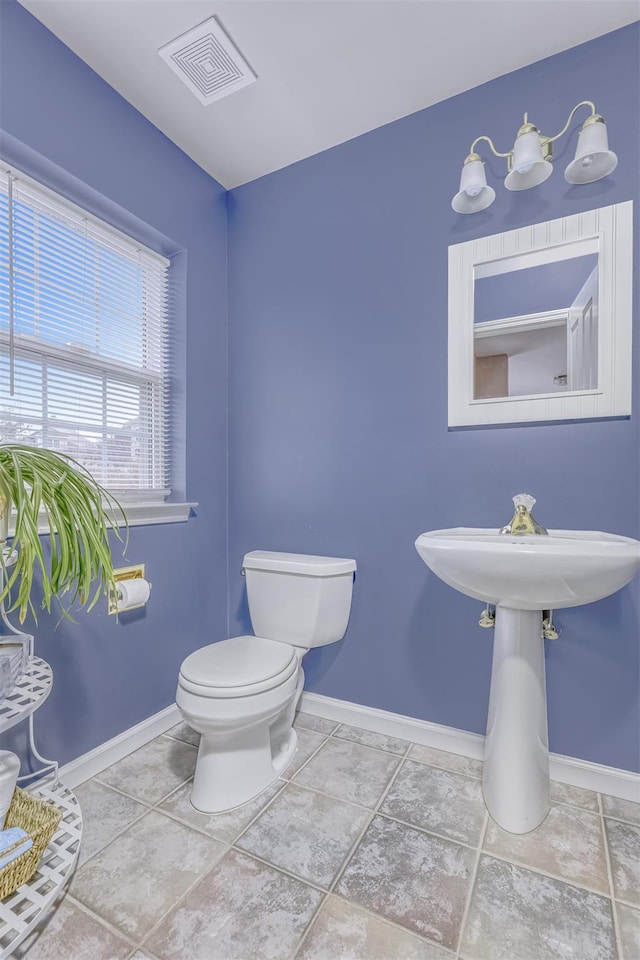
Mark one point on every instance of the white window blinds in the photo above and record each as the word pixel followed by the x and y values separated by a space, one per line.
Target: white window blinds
pixel 83 339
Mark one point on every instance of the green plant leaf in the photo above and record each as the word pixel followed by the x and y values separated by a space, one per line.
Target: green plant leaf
pixel 80 514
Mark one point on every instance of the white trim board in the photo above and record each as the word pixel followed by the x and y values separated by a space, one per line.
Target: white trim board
pixel 95 761
pixel 579 773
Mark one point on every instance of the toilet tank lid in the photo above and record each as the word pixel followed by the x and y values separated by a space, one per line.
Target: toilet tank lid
pixel 309 565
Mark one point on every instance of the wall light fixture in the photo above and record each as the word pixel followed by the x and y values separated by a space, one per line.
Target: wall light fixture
pixel 529 163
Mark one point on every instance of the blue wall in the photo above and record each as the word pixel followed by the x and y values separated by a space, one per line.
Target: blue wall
pixel 338 440
pixel 549 286
pixel 338 403
pixel 61 119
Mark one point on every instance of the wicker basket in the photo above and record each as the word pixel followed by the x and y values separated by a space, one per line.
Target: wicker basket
pixel 40 820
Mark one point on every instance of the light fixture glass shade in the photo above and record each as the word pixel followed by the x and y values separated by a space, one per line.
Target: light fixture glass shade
pixel 474 194
pixel 528 168
pixel 593 159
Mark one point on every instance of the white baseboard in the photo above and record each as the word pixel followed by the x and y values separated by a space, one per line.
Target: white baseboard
pixel 395 725
pixel 579 773
pixel 92 763
pixel 595 776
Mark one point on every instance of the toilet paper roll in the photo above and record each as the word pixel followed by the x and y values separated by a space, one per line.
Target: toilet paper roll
pixel 132 593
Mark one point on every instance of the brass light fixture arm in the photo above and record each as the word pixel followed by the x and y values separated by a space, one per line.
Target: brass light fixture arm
pixel 491 144
pixel 592 119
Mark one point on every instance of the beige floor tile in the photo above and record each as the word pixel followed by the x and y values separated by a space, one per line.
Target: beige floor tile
pixel 105 813
pixel 621 809
pixel 515 914
pixel 71 934
pixel 143 872
pixel 624 851
pixel 242 910
pixel 311 722
pixel 182 731
pixel 308 742
pixel 349 771
pixel 441 801
pixel 343 931
pixel 378 740
pixel 402 893
pixel 568 844
pixel 629 927
pixel 446 760
pixel 411 878
pixel 153 771
pixel 305 833
pixel 223 826
pixel 576 796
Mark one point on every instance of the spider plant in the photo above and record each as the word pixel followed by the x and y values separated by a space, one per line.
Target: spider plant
pixel 78 511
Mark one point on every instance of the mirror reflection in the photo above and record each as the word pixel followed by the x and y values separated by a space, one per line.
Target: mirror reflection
pixel 536 324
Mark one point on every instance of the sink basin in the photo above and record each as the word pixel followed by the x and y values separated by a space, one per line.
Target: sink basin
pixel 530 572
pixel 523 575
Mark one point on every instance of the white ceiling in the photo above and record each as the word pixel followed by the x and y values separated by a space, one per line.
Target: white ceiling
pixel 328 70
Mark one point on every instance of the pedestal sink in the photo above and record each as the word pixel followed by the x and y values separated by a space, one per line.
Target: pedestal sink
pixel 522 575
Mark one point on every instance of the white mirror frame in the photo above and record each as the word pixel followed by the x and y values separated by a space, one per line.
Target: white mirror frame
pixel 611 229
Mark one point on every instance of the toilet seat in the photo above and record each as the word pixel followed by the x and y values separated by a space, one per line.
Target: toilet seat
pixel 238 667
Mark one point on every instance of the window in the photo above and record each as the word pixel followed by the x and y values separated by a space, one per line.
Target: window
pixel 83 340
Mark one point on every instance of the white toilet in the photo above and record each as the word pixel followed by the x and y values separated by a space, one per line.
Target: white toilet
pixel 241 694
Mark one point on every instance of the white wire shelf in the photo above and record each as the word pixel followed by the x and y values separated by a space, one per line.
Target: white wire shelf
pixel 23 910
pixel 29 693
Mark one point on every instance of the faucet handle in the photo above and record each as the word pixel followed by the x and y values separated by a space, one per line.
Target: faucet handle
pixel 523 520
pixel 524 500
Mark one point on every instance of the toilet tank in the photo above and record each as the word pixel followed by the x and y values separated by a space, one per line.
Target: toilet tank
pixel 299 599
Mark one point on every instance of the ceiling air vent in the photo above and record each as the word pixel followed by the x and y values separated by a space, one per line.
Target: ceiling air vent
pixel 208 62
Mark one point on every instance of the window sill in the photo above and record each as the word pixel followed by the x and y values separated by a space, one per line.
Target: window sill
pixel 144 514
pixel 140 515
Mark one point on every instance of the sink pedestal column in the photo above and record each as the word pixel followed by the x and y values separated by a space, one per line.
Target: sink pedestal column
pixel 516 766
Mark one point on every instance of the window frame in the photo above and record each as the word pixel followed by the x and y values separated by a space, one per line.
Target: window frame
pixel 146 505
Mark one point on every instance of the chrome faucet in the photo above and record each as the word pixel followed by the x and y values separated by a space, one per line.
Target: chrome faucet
pixel 523 520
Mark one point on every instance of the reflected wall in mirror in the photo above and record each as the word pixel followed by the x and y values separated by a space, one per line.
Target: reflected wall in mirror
pixel 540 321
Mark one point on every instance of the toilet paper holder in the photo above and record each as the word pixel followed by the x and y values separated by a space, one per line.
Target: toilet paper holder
pixel 134 572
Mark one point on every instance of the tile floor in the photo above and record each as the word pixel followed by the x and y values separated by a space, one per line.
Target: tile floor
pixel 369 848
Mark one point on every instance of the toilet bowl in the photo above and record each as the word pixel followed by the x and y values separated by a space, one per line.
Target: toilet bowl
pixel 241 694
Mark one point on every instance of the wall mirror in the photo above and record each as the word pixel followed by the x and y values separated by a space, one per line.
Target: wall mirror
pixel 540 321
